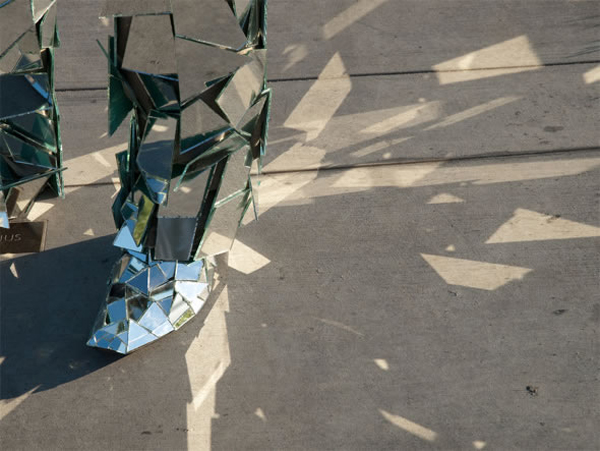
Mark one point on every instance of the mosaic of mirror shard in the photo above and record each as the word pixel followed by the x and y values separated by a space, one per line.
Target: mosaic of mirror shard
pixel 191 78
pixel 30 145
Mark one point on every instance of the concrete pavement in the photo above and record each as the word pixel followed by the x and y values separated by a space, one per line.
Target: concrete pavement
pixel 424 274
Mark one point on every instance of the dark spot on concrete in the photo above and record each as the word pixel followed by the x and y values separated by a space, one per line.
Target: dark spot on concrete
pixel 553 128
pixel 533 391
pixel 596 313
pixel 146 433
pixel 560 311
pixel 452 293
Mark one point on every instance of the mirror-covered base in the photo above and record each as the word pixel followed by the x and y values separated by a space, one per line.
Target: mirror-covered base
pixel 148 299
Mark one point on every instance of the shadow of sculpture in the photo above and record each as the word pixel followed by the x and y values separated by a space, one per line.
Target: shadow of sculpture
pixel 49 301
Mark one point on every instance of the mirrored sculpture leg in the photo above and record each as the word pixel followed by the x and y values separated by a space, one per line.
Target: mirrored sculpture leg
pixel 30 144
pixel 192 77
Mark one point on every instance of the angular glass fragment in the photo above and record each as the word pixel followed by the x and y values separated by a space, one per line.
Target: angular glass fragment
pixel 36 127
pixel 23 56
pixel 248 121
pixel 15 20
pixel 150 45
pixel 163 329
pixel 235 176
pixel 143 219
pixel 157 278
pixel 29 43
pixel 241 91
pixel 124 238
pixel 140 282
pixel 21 151
pixel 27 194
pixel 168 268
pixel 117 311
pixel 156 152
pixel 178 309
pixel 187 315
pixel 153 317
pixel 40 7
pixel 213 22
pixel 189 271
pixel 119 104
pixel 123 336
pixel 231 144
pixel 174 238
pixel 166 304
pixel 199 123
pixel 216 63
pixel 136 306
pixel 241 8
pixel 186 198
pixel 190 290
pixel 20 96
pixel 10 59
pixel 222 226
pixel 163 92
pixel 48 27
pixel 138 336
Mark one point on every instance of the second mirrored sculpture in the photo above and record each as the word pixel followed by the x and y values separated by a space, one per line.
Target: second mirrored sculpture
pixel 30 143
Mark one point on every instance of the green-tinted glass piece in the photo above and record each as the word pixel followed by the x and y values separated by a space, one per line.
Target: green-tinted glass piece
pixel 27 154
pixel 22 94
pixel 189 313
pixel 36 127
pixel 119 104
pixel 145 210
